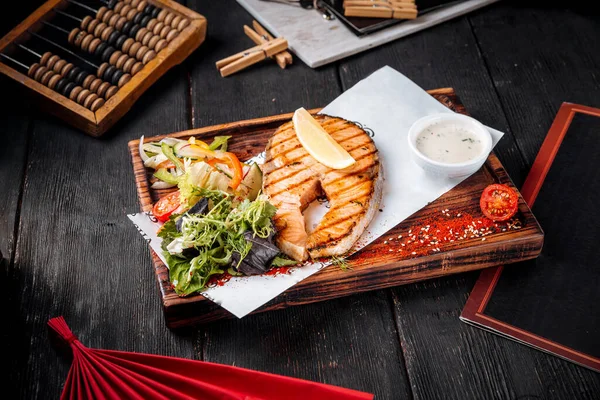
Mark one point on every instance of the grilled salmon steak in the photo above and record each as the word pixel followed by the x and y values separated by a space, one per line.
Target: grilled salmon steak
pixel 292 179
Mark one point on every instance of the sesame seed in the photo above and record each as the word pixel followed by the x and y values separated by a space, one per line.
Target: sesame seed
pixel 413 253
pixel 482 239
pixel 385 242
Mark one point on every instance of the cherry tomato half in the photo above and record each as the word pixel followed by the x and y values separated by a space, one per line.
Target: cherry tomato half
pixel 499 202
pixel 165 206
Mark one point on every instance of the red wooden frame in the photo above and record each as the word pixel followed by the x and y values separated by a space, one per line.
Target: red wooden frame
pixel 474 311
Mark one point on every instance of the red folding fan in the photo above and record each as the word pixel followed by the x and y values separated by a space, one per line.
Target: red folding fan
pixel 108 374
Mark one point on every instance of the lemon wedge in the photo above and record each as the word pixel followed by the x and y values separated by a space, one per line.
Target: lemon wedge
pixel 319 143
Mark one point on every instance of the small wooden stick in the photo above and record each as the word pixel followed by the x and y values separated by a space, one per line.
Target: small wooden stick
pixel 263 32
pixel 256 38
pixel 390 3
pixel 380 12
pixel 241 60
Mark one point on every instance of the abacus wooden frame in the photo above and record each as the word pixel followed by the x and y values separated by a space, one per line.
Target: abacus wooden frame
pixel 97 123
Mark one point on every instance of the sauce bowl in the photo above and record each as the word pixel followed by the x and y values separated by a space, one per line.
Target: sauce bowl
pixel 434 122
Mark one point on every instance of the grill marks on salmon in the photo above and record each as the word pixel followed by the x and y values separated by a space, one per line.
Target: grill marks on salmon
pixel 293 179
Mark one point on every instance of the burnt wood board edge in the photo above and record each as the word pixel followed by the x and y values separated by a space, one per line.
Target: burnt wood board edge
pixel 97 123
pixel 375 266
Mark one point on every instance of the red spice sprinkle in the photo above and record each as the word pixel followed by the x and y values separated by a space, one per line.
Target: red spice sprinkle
pixel 449 228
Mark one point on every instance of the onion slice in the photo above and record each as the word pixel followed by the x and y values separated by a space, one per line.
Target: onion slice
pixel 141 150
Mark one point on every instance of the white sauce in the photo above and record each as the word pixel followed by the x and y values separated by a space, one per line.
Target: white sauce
pixel 449 143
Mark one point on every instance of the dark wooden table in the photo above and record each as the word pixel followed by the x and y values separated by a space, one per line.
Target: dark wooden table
pixel 69 249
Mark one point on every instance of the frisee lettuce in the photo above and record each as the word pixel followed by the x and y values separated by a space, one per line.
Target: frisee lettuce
pixel 206 243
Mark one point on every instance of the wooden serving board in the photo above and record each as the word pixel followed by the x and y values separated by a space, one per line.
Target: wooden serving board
pixel 379 265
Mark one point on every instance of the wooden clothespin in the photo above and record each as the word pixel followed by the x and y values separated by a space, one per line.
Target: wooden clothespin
pixel 259 35
pixel 397 9
pixel 267 47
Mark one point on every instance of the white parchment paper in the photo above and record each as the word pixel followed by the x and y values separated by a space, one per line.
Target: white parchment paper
pixel 388 103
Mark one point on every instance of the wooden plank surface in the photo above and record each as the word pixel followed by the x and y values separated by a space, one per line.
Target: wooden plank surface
pixel 77 252
pixel 339 342
pixel 410 345
pixel 445 358
pixel 384 263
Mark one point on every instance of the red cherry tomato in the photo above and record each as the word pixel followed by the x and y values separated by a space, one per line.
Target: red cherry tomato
pixel 499 202
pixel 164 207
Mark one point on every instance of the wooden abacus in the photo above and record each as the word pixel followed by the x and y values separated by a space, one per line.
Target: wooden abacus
pixel 125 45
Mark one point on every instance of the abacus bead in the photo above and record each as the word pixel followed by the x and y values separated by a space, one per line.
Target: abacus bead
pixel 112 39
pixel 75 36
pixel 82 96
pixel 46 77
pixel 148 56
pixel 123 80
pixel 93 24
pixel 119 24
pixel 122 60
pixel 97 104
pixel 86 21
pixel 102 70
pixel 86 42
pixel 105 34
pixel 134 30
pixel 155 12
pixel 112 21
pixel 32 71
pixel 114 79
pixel 53 81
pixel 75 92
pixel 98 29
pixel 161 44
pixel 45 57
pixel 118 6
pixel 169 18
pixel 94 45
pixel 102 12
pixel 60 85
pixel 161 15
pixel 107 53
pixel 127 27
pixel 165 31
pixel 73 73
pixel 89 99
pixel 141 52
pixel 114 57
pixel 39 72
pixel 131 13
pixel 88 81
pixel 134 48
pixel 148 9
pixel 126 8
pixel 137 67
pixel 145 39
pixel 100 49
pixel 68 88
pixel 80 77
pixel 183 24
pixel 172 35
pixel 128 65
pixel 95 84
pixel 66 69
pixel 110 73
pixel 120 41
pixel 111 92
pixel 59 65
pixel 127 45
pixel 140 34
pixel 141 5
pixel 158 27
pixel 102 89
pixel 138 18
pixel 151 24
pixel 145 20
